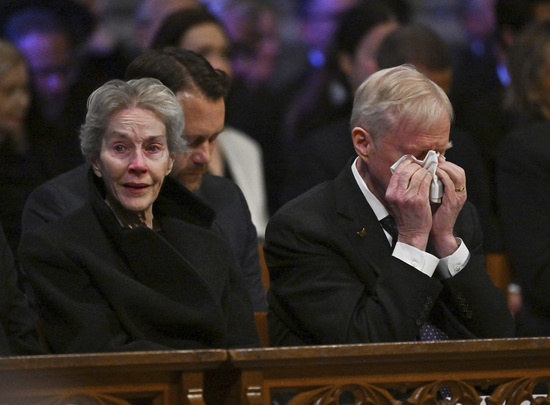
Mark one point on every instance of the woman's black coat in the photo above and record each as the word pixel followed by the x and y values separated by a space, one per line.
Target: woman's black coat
pixel 100 287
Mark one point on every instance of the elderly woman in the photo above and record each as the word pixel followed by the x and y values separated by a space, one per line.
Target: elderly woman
pixel 139 266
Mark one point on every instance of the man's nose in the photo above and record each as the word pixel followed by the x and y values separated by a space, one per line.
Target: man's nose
pixel 203 153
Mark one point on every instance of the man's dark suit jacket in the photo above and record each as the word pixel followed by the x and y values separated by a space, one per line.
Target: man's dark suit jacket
pixel 523 179
pixel 67 192
pixel 99 287
pixel 18 333
pixel 333 279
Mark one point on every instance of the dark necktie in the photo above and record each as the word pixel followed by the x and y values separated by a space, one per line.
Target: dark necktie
pixel 428 332
pixel 388 223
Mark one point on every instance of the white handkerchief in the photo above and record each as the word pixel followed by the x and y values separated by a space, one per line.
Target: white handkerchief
pixel 430 164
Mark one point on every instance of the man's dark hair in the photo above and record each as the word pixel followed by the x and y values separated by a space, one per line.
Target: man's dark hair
pixel 413 44
pixel 357 22
pixel 180 70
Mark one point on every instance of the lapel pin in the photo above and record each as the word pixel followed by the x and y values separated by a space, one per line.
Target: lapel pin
pixel 362 232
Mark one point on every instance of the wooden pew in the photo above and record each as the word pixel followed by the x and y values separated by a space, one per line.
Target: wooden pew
pixel 503 370
pixel 395 373
pixel 155 378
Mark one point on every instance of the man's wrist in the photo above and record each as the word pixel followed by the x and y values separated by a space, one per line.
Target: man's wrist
pixel 446 246
pixel 418 242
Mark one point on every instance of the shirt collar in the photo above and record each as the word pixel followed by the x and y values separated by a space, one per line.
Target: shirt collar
pixel 379 210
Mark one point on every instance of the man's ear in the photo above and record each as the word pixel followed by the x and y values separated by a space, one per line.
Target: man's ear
pixel 95 166
pixel 362 142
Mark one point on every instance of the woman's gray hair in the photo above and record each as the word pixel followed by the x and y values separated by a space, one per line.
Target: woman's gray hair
pixel 118 95
pixel 398 96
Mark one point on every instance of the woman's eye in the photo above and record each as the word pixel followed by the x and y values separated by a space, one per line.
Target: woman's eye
pixel 153 148
pixel 119 148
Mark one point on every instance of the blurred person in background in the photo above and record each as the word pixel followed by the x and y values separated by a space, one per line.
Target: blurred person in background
pixel 105 53
pixel 480 87
pixel 523 177
pixel 150 14
pixel 18 174
pixel 267 69
pixel 322 108
pixel 318 20
pixel 49 41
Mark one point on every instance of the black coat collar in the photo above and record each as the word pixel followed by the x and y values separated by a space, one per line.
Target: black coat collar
pixel 174 200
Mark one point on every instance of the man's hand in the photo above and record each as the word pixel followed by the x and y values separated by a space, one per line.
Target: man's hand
pixel 408 198
pixel 444 218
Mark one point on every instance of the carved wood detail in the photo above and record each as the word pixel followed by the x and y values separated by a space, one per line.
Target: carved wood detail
pixel 520 390
pixel 514 392
pixel 331 395
pixel 434 393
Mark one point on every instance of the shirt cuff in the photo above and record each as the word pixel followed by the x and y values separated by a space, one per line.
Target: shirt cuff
pixel 420 260
pixel 451 265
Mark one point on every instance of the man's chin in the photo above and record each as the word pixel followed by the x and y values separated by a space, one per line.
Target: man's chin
pixel 192 182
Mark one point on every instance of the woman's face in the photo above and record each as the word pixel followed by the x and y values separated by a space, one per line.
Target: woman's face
pixel 14 98
pixel 134 160
pixel 209 41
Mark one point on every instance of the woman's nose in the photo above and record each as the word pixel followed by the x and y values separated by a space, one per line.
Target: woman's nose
pixel 137 162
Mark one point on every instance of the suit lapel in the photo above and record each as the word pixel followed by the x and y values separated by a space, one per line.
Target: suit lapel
pixel 359 223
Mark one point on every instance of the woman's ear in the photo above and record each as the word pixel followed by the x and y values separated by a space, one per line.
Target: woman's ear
pixel 170 164
pixel 95 166
pixel 362 142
